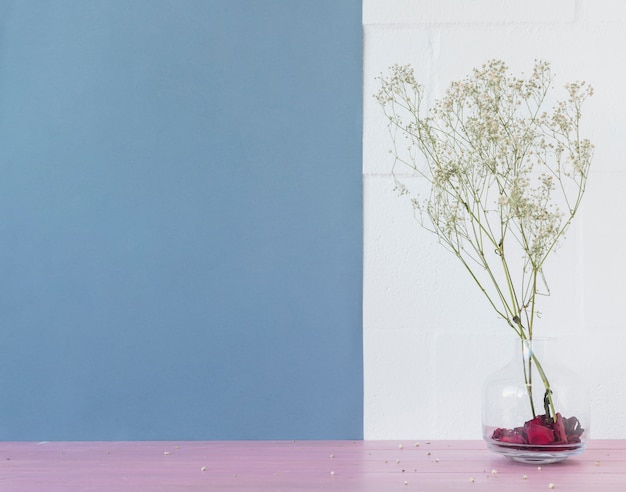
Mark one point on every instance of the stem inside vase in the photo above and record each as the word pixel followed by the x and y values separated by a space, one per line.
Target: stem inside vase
pixel 528 357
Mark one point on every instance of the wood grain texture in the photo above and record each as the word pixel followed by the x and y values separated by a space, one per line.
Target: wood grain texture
pixel 299 465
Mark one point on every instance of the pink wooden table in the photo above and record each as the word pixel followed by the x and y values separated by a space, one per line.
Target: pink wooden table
pixel 299 465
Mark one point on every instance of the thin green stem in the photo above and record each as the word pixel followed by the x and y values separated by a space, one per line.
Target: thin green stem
pixel 500 169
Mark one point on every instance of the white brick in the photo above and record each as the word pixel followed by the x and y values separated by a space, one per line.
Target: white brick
pixel 601 360
pixel 467 11
pixel 392 297
pixel 604 278
pixel 464 361
pixel 399 384
pixel 519 46
pixel 602 11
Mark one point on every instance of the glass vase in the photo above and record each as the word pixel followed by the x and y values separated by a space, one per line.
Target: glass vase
pixel 535 410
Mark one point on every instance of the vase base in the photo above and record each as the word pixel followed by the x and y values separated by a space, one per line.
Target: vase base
pixel 535 455
pixel 537 459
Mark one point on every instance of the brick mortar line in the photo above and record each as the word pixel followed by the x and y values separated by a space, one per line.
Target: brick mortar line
pixel 445 24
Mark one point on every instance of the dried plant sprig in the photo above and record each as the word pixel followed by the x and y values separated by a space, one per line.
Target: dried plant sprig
pixel 506 178
pixel 506 175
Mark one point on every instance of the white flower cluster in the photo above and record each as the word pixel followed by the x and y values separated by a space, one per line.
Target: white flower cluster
pixel 506 175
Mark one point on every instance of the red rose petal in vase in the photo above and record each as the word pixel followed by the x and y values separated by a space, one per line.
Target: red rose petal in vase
pixel 538 434
pixel 542 432
pixel 559 430
pixel 514 438
pixel 507 435
pixel 573 430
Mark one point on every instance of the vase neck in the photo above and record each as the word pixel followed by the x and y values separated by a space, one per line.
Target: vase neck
pixel 537 347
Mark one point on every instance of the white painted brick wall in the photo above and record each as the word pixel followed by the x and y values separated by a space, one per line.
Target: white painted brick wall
pixel 413 12
pixel 429 337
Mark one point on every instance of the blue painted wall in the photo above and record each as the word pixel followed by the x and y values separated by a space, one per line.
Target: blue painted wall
pixel 180 219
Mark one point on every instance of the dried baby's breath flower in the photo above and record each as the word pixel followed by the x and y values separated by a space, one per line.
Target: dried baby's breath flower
pixel 506 174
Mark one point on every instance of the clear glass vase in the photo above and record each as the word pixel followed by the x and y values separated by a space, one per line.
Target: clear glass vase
pixel 535 410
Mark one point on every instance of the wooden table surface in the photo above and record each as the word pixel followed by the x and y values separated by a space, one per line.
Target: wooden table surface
pixel 299 465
